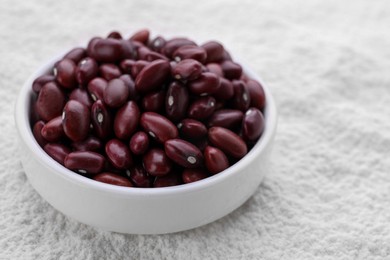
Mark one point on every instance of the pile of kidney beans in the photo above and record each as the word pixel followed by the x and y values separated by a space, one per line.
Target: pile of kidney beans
pixel 144 112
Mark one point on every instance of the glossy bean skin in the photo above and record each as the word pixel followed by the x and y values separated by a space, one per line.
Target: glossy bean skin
pixel 156 162
pixel 86 70
pixel 126 120
pixel 101 119
pixel 139 143
pixel 192 129
pixel 76 120
pixel 158 126
pixel 82 96
pixel 154 101
pixel 241 98
pixel 256 93
pixel 115 35
pixel 50 102
pixel 136 67
pixel 207 83
pixel 105 50
pixel 141 36
pixel 193 175
pixel 214 51
pixel 176 101
pixel 126 65
pixel 118 154
pixel 85 162
pixel 172 45
pixel 76 54
pixel 109 71
pixel 65 73
pixel 225 90
pixel 148 55
pixel 202 108
pixel 252 124
pixel 227 118
pixel 96 88
pixel 113 179
pixel 152 76
pixel 215 68
pixel 215 160
pixel 37 128
pixel 183 153
pixel 190 52
pixel 157 44
pixel 116 93
pixel 57 151
pixel 231 70
pixel 53 130
pixel 140 177
pixel 39 82
pixel 228 141
pixel 171 179
pixel 133 94
pixel 92 144
pixel 187 70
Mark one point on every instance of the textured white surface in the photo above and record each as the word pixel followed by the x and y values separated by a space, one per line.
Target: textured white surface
pixel 327 62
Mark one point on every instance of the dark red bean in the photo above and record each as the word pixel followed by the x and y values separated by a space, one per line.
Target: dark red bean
pixel 92 144
pixel 190 52
pixel 139 143
pixel 84 162
pixel 215 160
pixel 201 144
pixel 105 50
pixel 37 133
pixel 226 55
pixel 231 70
pixel 183 153
pixel 176 101
pixel 140 177
pixel 82 96
pixel 113 179
pixel 225 90
pixel 214 51
pixel 141 36
pixel 172 45
pixel 215 68
pixel 109 71
pixel 76 120
pixel 115 35
pixel 171 179
pixel 137 67
pixel 96 88
pixel 202 108
pixel 126 65
pixel 57 151
pixel 154 101
pixel 241 99
pixel 133 95
pixel 148 55
pixel 157 44
pixel 227 118
pixel 53 130
pixel 65 73
pixel 156 162
pixel 41 81
pixel 252 124
pixel 207 83
pixel 86 70
pixel 126 120
pixel 101 120
pixel 128 50
pixel 152 76
pixel 116 93
pixel 227 141
pixel 118 154
pixel 76 55
pixel 158 126
pixel 193 175
pixel 256 92
pixel 50 102
pixel 187 69
pixel 192 129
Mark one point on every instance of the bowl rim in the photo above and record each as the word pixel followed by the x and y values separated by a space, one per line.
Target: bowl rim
pixel 26 136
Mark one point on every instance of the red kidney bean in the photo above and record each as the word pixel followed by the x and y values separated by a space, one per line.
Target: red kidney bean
pixel 113 179
pixel 128 50
pixel 81 95
pixel 187 69
pixel 53 130
pixel 192 129
pixel 126 120
pixel 171 179
pixel 84 162
pixel 86 70
pixel 139 143
pixel 152 76
pixel 105 50
pixel 227 141
pixel 190 52
pixel 101 120
pixel 231 70
pixel 50 102
pixel 157 44
pixel 176 101
pixel 126 65
pixel 140 177
pixel 115 35
pixel 148 55
pixel 227 118
pixel 202 108
pixel 252 124
pixel 256 93
pixel 96 88
pixel 207 83
pixel 118 154
pixel 109 71
pixel 133 95
pixel 137 67
pixel 57 151
pixel 183 153
pixel 65 73
pixel 215 160
pixel 76 120
pixel 156 162
pixel 241 99
pixel 215 68
pixel 141 36
pixel 76 55
pixel 226 55
pixel 172 45
pixel 214 51
pixel 92 144
pixel 41 81
pixel 154 101
pixel 193 175
pixel 116 93
pixel 37 133
pixel 225 90
pixel 158 126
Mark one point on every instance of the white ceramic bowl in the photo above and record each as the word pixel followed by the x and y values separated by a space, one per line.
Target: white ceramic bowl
pixel 141 210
